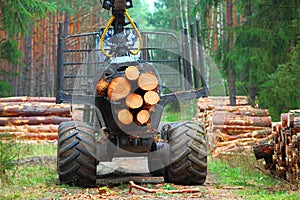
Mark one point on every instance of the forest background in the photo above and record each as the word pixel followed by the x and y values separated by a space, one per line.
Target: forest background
pixel 253 44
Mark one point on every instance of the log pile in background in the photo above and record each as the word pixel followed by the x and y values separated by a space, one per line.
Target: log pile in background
pixel 233 129
pixel 32 118
pixel 286 157
pixel 136 93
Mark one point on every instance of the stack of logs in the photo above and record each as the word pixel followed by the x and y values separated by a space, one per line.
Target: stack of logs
pixel 31 118
pixel 233 129
pixel 286 147
pixel 136 93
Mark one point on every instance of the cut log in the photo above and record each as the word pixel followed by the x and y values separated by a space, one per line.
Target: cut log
pixel 244 141
pixel 255 134
pixel 28 136
pixel 125 117
pixel 102 87
pixel 35 109
pixel 49 128
pixel 132 73
pixel 29 99
pixel 236 130
pixel 151 98
pixel 148 81
pixel 226 118
pixel 118 89
pixel 284 119
pixel 143 117
pixel 134 101
pixel 33 120
pixel 243 110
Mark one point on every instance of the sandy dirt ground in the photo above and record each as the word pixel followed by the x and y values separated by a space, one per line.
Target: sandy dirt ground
pixel 113 179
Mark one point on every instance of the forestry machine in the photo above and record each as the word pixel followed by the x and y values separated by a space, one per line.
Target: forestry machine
pixel 119 80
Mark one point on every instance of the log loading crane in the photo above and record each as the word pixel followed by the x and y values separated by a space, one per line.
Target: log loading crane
pixel 116 88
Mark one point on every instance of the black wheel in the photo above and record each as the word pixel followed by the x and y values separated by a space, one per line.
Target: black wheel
pixel 188 154
pixel 76 164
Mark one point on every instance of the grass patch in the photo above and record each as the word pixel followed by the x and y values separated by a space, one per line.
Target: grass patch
pixel 239 170
pixel 25 181
pixel 40 181
pixel 30 182
pixel 179 111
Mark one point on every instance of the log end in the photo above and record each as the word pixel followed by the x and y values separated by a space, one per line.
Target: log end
pixel 148 81
pixel 118 89
pixel 132 73
pixel 125 117
pixel 143 117
pixel 134 101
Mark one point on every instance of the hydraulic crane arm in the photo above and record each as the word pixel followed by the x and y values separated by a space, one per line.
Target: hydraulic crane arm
pixel 118 8
pixel 119 14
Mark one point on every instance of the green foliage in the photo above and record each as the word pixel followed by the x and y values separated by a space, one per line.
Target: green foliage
pixel 8 154
pixel 262 43
pixel 17 15
pixel 167 186
pixel 140 13
pixel 5 89
pixel 281 92
pixel 9 51
pixel 172 14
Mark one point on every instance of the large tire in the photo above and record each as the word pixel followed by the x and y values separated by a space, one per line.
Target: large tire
pixel 76 163
pixel 188 154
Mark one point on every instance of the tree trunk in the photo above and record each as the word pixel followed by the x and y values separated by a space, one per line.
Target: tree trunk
pixel 230 67
pixel 28 65
pixel 215 30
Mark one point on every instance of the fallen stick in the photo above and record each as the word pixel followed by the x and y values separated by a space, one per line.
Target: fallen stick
pixel 133 185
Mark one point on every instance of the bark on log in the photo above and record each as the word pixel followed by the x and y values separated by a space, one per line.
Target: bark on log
pixel 132 73
pixel 28 136
pixel 148 81
pixel 125 117
pixel 151 98
pixel 118 89
pixel 284 119
pixel 33 120
pixel 236 130
pixel 102 87
pixel 49 128
pixel 35 109
pixel 244 141
pixel 255 134
pixel 143 117
pixel 239 120
pixel 134 101
pixel 244 110
pixel 29 99
pixel 223 101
